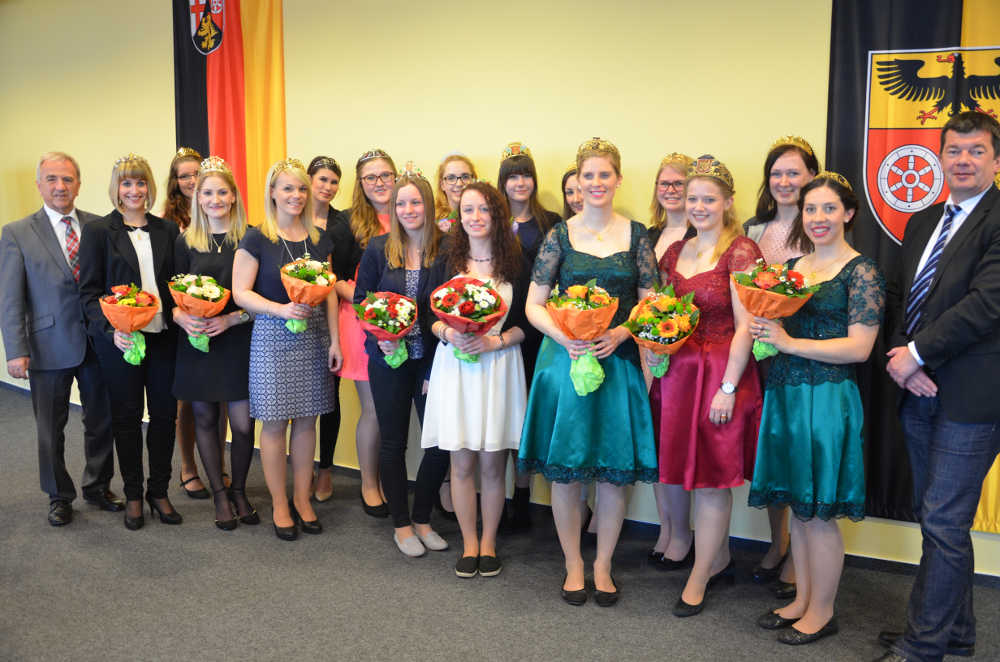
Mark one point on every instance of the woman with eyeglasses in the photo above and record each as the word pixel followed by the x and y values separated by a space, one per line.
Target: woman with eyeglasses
pixel 454 173
pixel 375 175
pixel 790 165
pixel 324 173
pixel 572 194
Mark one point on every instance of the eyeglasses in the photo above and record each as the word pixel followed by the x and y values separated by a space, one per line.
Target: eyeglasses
pixel 382 177
pixel 677 185
pixel 453 179
pixel 186 177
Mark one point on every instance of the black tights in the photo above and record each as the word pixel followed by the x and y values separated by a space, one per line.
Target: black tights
pixel 206 427
pixel 329 428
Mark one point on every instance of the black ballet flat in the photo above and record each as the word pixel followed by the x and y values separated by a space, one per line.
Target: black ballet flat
pixel 173 517
pixel 762 575
pixel 312 527
pixel 725 576
pixel 575 598
pixel 774 621
pixel 380 511
pixel 608 598
pixel 134 523
pixel 793 637
pixel 668 564
pixel 784 590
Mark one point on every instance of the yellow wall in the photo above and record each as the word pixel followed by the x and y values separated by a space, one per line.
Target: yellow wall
pixel 424 79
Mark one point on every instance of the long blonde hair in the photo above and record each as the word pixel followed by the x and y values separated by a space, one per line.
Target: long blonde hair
pixel 677 162
pixel 269 226
pixel 395 245
pixel 197 233
pixel 364 218
pixel 731 228
pixel 442 207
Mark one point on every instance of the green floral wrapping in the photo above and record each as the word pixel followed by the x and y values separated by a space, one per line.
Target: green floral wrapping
pixel 296 326
pixel 137 352
pixel 661 369
pixel 398 357
pixel 468 358
pixel 763 350
pixel 199 341
pixel 586 373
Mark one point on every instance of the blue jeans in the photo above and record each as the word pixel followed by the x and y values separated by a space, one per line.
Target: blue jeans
pixel 949 461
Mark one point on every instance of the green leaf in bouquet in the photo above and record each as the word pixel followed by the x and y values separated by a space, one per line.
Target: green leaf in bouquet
pixel 199 341
pixel 398 357
pixel 763 350
pixel 744 279
pixel 586 374
pixel 296 326
pixel 590 284
pixel 137 352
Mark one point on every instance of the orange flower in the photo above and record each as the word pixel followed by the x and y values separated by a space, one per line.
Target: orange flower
pixel 600 299
pixel 683 323
pixel 667 329
pixel 765 280
pixel 664 303
pixel 577 291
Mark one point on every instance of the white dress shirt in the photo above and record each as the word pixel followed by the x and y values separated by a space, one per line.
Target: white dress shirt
pixel 55 218
pixel 144 251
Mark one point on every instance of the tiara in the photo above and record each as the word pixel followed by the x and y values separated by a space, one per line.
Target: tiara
pixel 185 152
pixel 570 168
pixel 214 164
pixel 130 157
pixel 709 166
pixel 676 159
pixel 598 145
pixel 837 177
pixel 327 162
pixel 794 141
pixel 373 154
pixel 515 149
pixel 288 164
pixel 410 170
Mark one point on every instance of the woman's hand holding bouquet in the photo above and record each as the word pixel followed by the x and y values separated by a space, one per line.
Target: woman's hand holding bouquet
pixel 772 291
pixel 388 316
pixel 199 301
pixel 584 313
pixel 662 323
pixel 129 309
pixel 308 282
pixel 470 307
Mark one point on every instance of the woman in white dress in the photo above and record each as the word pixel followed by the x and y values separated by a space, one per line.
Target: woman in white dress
pixel 475 410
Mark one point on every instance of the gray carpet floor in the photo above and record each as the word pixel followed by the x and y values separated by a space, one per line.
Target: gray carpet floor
pixel 95 591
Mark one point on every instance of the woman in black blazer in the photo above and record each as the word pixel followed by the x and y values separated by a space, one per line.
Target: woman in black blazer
pixel 130 245
pixel 401 262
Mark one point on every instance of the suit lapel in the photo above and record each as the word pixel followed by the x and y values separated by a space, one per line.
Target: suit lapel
pixel 911 256
pixel 119 237
pixel 977 216
pixel 47 236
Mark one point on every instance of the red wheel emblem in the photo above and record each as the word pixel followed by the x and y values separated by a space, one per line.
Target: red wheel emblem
pixel 910 178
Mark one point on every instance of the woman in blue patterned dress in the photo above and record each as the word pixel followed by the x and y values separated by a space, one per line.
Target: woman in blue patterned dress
pixel 810 454
pixel 607 435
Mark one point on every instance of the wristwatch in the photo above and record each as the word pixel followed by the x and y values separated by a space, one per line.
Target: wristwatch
pixel 244 317
pixel 728 388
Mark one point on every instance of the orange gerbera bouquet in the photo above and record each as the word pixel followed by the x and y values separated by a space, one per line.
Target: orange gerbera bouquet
pixel 306 281
pixel 128 309
pixel 772 291
pixel 583 312
pixel 662 322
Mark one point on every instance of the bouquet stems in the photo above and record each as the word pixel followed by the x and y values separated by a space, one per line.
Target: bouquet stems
pixel 763 350
pixel 660 369
pixel 586 374
pixel 137 352
pixel 296 326
pixel 199 341
pixel 398 357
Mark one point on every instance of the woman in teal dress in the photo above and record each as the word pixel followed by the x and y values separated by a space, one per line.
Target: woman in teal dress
pixel 810 454
pixel 607 435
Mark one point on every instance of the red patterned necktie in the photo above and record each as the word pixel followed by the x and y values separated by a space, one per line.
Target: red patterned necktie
pixel 72 247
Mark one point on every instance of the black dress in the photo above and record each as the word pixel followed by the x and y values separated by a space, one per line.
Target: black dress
pixel 221 375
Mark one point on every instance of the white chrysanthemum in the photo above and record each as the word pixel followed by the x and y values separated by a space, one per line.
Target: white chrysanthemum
pixel 212 291
pixel 194 291
pixel 320 280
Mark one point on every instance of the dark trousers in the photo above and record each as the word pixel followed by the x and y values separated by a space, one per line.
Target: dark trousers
pixel 393 391
pixel 127 384
pixel 949 461
pixel 329 428
pixel 50 391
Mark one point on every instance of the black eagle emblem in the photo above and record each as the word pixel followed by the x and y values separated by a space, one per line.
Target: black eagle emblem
pixel 900 78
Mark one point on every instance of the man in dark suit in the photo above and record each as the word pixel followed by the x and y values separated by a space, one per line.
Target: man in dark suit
pixel 945 306
pixel 45 337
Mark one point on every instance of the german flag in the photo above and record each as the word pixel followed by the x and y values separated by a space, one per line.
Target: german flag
pixel 898 70
pixel 226 55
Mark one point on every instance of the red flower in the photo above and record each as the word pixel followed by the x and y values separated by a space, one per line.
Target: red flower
pixel 369 313
pixel 765 280
pixel 796 278
pixel 143 299
pixel 467 308
pixel 111 298
pixel 393 312
pixel 120 289
pixel 449 300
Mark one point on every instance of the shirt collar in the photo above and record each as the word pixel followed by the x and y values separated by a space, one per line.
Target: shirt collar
pixel 55 217
pixel 969 204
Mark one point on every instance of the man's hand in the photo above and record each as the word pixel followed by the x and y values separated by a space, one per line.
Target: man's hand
pixel 18 368
pixel 901 365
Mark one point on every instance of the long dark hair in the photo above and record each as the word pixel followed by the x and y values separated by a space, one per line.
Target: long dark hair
pixel 767 208
pixel 177 208
pixel 567 210
pixel 504 245
pixel 522 164
pixel 797 238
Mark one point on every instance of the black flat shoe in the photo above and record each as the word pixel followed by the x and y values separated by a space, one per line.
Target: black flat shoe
pixel 194 494
pixel 774 621
pixel 312 527
pixel 286 532
pixel 381 511
pixel 793 637
pixel 888 638
pixel 654 556
pixel 60 513
pixel 575 598
pixel 608 598
pixel 134 523
pixel 467 567
pixel 105 500
pixel 784 590
pixel 762 575
pixel 173 517
pixel 668 564
pixel 725 576
pixel 489 566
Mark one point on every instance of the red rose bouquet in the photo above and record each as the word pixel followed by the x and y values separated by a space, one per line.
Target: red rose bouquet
pixel 306 281
pixel 388 316
pixel 128 309
pixel 583 312
pixel 772 291
pixel 200 296
pixel 469 306
pixel 662 323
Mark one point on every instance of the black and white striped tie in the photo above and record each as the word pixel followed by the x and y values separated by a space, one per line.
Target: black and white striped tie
pixel 922 283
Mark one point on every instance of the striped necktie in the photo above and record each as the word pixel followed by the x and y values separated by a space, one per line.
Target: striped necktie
pixel 922 283
pixel 72 247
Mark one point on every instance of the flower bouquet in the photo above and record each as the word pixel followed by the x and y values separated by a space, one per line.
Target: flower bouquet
pixel 583 312
pixel 306 281
pixel 662 322
pixel 128 309
pixel 200 296
pixel 470 306
pixel 388 316
pixel 772 291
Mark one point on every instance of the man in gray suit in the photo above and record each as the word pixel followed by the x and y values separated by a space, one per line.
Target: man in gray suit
pixel 45 337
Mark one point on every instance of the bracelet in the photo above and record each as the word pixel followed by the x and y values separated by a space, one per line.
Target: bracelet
pixel 503 343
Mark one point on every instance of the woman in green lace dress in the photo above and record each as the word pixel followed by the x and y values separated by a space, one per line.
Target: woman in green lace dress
pixel 606 435
pixel 810 451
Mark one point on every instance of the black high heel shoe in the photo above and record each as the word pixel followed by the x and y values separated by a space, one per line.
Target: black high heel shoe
pixel 312 527
pixel 226 524
pixel 380 511
pixel 725 576
pixel 252 518
pixel 668 564
pixel 134 523
pixel 173 517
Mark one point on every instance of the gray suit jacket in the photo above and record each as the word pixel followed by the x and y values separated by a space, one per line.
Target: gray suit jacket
pixel 41 316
